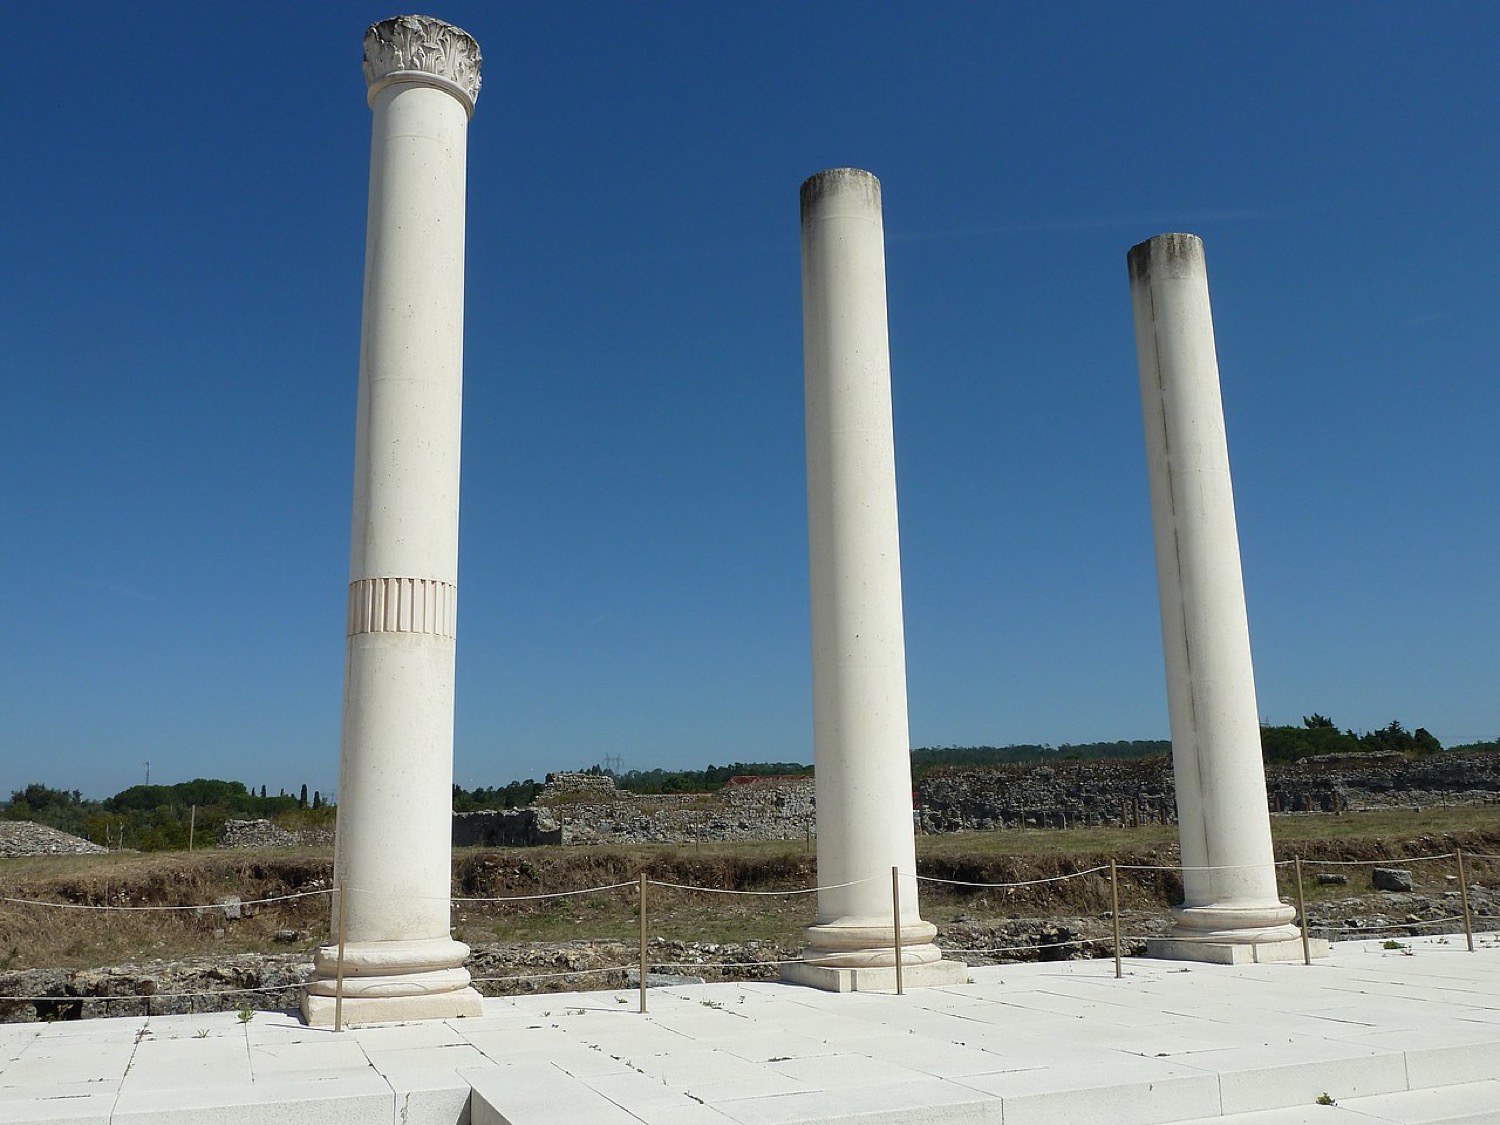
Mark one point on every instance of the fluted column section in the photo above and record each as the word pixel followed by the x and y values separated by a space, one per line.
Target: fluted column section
pixel 860 742
pixel 1228 876
pixel 394 842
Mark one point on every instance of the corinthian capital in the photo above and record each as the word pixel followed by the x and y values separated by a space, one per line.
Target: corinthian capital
pixel 422 49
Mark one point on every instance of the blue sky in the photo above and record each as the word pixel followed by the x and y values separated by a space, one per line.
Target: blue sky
pixel 184 193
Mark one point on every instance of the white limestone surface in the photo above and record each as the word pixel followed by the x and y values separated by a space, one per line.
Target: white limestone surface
pixel 1402 1036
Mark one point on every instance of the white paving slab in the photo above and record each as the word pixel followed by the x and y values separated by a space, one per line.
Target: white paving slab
pixel 1396 1039
pixel 1474 1103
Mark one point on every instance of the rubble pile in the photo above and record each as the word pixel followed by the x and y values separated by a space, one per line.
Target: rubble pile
pixel 22 837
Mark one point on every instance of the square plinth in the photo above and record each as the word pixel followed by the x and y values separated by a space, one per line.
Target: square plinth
pixel 1233 953
pixel 318 1011
pixel 934 974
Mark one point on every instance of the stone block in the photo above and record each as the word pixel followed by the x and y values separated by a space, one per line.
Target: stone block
pixel 1390 879
pixel 319 1011
pixel 935 974
pixel 1233 953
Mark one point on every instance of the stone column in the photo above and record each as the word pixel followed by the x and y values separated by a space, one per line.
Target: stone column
pixel 860 744
pixel 1230 910
pixel 393 849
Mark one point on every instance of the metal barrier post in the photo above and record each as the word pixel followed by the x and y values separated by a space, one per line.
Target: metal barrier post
pixel 1463 893
pixel 896 918
pixel 643 941
pixel 1302 914
pixel 338 978
pixel 1114 913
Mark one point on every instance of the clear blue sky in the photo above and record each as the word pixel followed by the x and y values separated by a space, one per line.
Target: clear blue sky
pixel 184 190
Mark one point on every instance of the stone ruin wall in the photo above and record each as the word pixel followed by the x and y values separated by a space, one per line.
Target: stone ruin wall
pixel 1123 791
pixel 1379 781
pixel 506 828
pixel 253 834
pixel 578 808
pixel 1050 795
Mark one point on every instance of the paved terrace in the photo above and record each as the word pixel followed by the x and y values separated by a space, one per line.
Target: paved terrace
pixel 1390 1036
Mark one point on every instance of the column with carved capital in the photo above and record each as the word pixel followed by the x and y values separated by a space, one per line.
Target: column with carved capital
pixel 394 841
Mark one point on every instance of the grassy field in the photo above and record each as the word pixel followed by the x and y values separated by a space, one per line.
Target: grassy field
pixel 46 936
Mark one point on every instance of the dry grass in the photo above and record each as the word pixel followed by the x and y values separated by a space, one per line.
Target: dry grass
pixel 1051 843
pixel 32 936
pixel 1424 825
pixel 63 937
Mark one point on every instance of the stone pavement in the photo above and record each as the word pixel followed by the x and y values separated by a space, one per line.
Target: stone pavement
pixel 1396 1036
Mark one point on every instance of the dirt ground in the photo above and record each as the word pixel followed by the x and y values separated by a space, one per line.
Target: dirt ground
pixel 995 896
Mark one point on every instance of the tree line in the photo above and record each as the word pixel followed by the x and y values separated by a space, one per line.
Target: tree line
pixel 1319 736
pixel 159 817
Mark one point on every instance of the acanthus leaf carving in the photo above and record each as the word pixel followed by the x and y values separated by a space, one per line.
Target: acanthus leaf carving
pixel 421 44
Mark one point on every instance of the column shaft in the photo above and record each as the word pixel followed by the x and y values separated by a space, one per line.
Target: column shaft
pixel 1228 876
pixel 860 742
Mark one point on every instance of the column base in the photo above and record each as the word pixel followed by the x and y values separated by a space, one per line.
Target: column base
pixel 1235 924
pixel 1233 952
pixel 933 974
pixel 869 943
pixel 381 981
pixel 318 1011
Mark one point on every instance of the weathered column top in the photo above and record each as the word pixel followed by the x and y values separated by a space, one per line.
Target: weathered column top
pixel 853 183
pixel 423 50
pixel 1171 255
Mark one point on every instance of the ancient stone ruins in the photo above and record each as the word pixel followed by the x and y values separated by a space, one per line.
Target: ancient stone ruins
pixel 394 958
pixel 587 809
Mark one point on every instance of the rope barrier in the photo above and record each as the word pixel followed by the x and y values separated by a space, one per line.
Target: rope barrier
pixel 552 976
pixel 1376 862
pixel 68 997
pixel 1450 919
pixel 724 891
pixel 537 897
pixel 542 896
pixel 1184 867
pixel 241 903
pixel 721 966
pixel 987 950
pixel 1333 927
pixel 1022 883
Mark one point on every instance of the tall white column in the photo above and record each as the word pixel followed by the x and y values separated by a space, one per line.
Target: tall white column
pixel 860 744
pixel 1230 906
pixel 393 850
